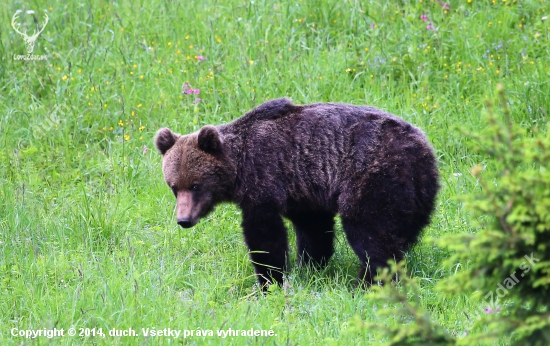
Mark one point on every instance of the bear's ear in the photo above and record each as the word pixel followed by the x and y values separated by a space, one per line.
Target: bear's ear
pixel 209 140
pixel 165 140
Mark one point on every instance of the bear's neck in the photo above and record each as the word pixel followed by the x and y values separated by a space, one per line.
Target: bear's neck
pixel 234 140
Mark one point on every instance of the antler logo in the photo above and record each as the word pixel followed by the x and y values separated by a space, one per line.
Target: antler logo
pixel 29 40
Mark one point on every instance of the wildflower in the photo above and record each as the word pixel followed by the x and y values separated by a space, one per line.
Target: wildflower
pixel 490 311
pixel 186 89
pixel 65 77
pixel 120 123
pixel 197 100
pixel 424 17
pixel 126 137
pixel 141 128
pixel 444 5
pixel 144 148
pixel 200 58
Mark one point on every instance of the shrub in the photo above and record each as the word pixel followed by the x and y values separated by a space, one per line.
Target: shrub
pixel 506 264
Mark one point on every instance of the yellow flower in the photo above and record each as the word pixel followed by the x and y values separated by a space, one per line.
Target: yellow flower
pixel 169 43
pixel 133 113
pixel 139 106
pixel 126 137
pixel 120 123
pixel 141 128
pixel 65 77
pixel 104 105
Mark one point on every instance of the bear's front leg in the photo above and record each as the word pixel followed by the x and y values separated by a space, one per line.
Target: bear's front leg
pixel 266 237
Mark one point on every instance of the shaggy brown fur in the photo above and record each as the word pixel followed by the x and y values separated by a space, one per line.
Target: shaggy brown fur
pixel 308 163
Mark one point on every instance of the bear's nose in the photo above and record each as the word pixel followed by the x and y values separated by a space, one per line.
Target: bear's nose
pixel 184 222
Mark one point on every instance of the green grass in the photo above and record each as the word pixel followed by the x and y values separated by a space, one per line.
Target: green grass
pixel 87 231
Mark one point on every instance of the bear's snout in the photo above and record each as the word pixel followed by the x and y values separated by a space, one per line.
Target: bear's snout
pixel 185 222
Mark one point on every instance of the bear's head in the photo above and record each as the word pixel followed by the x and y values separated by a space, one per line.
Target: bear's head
pixel 198 170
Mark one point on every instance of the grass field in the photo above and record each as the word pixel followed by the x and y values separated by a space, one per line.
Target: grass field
pixel 88 237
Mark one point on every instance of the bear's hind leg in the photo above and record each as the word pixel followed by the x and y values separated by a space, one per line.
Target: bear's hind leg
pixel 314 236
pixel 375 245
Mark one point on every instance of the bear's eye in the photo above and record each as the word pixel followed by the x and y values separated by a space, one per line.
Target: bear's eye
pixel 195 187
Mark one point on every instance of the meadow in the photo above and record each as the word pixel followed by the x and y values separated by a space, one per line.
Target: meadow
pixel 88 238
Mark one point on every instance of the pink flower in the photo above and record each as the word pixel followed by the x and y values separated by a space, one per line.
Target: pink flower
pixel 145 150
pixel 197 100
pixel 430 27
pixel 187 90
pixel 444 5
pixel 372 26
pixel 200 58
pixel 489 311
pixel 424 17
pixel 185 87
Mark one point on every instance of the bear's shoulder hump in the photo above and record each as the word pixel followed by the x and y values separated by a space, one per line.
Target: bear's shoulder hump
pixel 272 110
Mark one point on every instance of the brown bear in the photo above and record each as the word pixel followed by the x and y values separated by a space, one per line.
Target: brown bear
pixel 308 163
